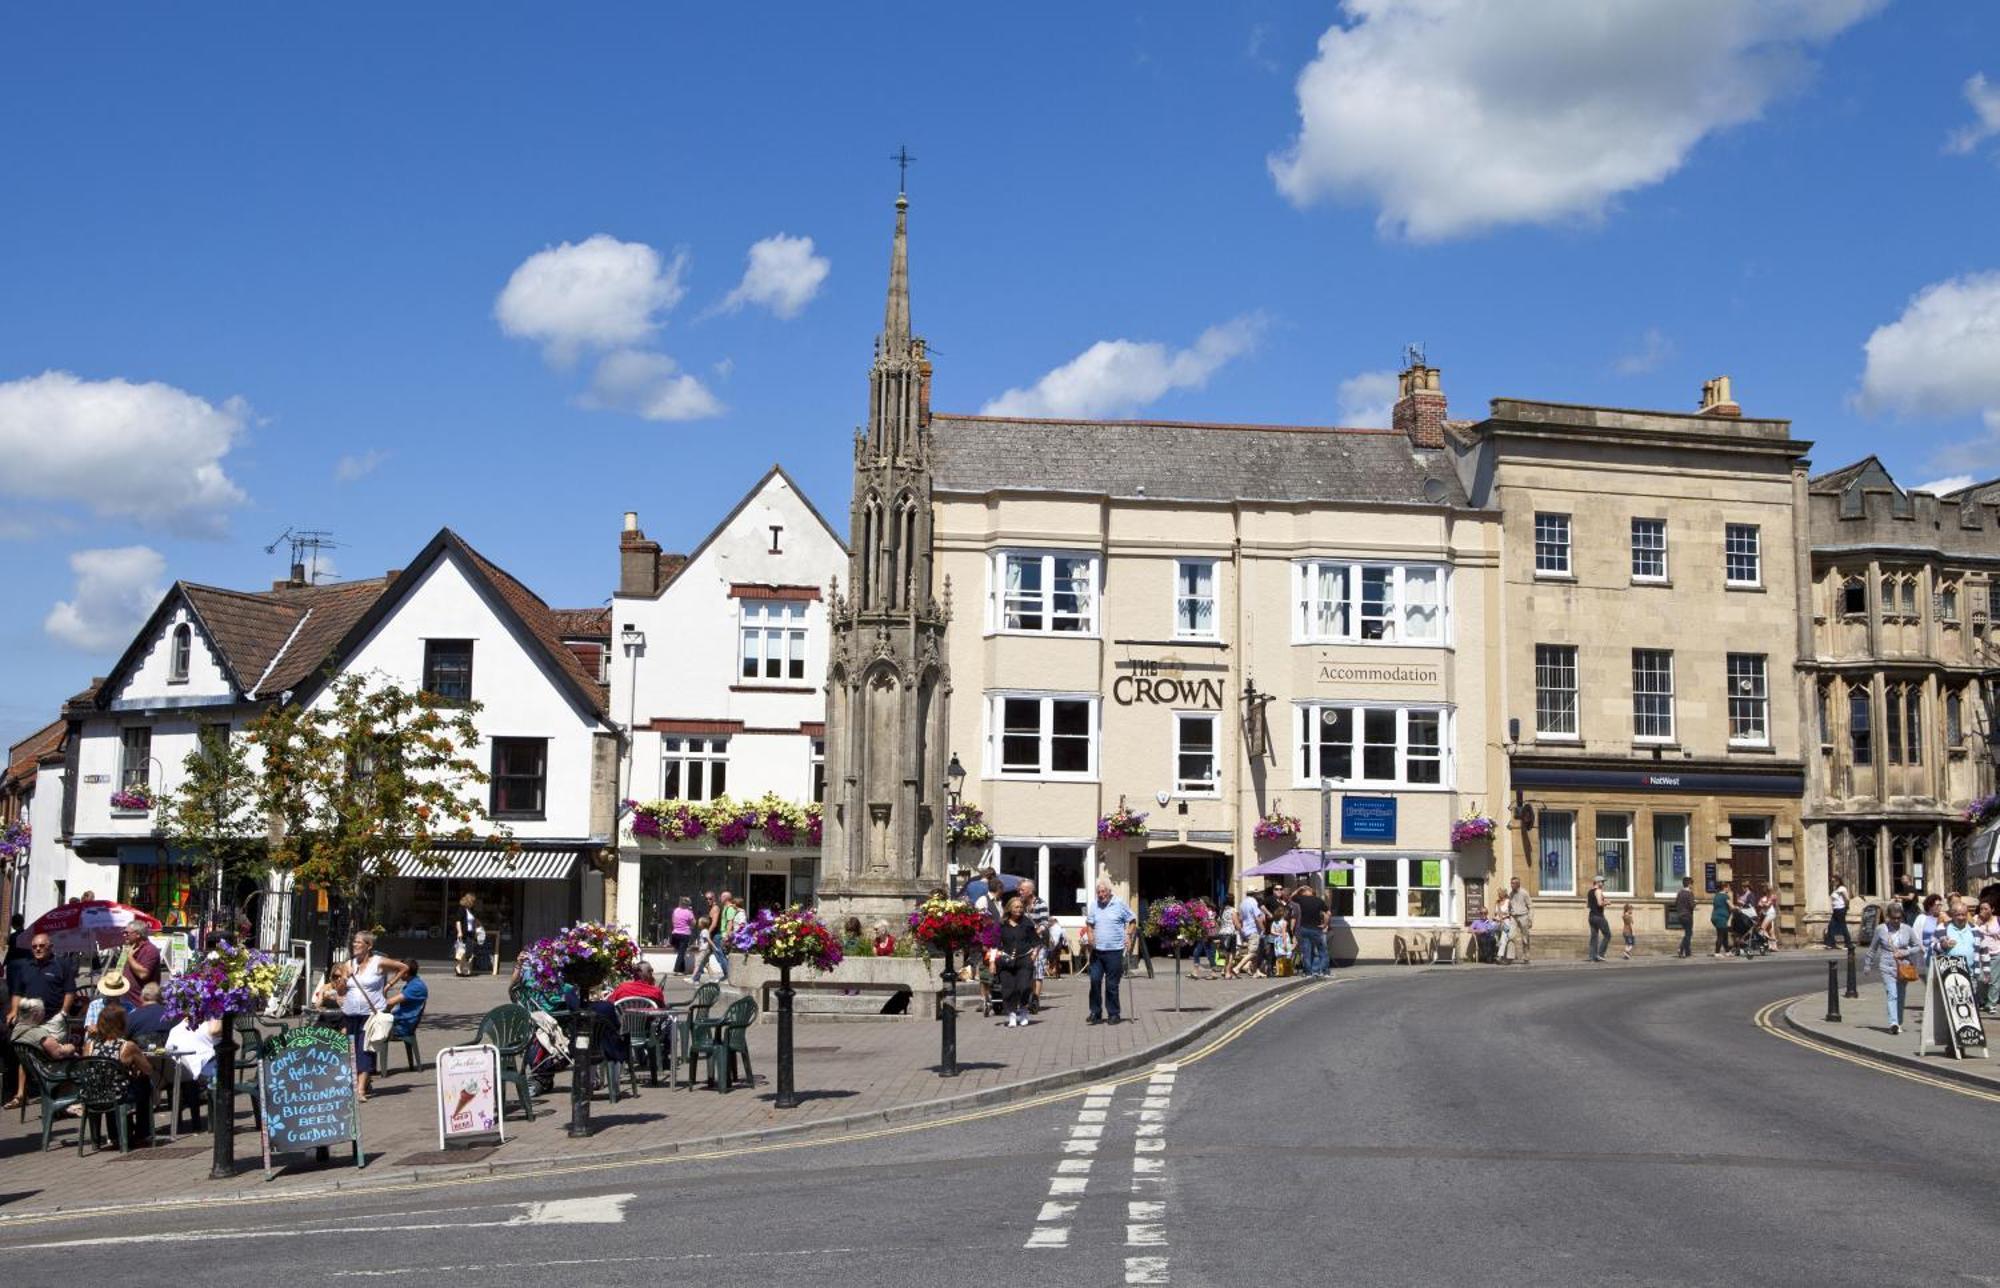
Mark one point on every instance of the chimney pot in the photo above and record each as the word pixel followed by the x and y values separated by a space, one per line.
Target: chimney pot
pixel 298 575
pixel 1419 413
pixel 1716 399
pixel 631 521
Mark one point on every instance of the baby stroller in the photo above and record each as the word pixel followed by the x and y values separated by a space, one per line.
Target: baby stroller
pixel 1749 934
pixel 548 1052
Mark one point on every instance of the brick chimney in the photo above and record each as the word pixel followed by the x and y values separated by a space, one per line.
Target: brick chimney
pixel 1420 408
pixel 1716 399
pixel 638 559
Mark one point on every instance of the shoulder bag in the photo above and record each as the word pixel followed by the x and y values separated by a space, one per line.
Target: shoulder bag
pixel 381 1021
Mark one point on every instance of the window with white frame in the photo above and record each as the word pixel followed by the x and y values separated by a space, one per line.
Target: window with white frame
pixel 1062 871
pixel 1552 545
pixel 1556 873
pixel 819 770
pixel 1041 735
pixel 694 769
pixel 1374 745
pixel 1401 888
pixel 1652 695
pixel 1342 602
pixel 1614 851
pixel 1195 754
pixel 1742 555
pixel 1555 691
pixel 180 653
pixel 1194 599
pixel 1649 550
pixel 774 639
pixel 1044 593
pixel 135 756
pixel 1749 701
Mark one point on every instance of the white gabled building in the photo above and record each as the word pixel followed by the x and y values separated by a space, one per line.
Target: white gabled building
pixel 718 666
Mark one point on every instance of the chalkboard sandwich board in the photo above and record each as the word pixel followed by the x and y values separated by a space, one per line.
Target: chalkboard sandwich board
pixel 305 1083
pixel 469 1100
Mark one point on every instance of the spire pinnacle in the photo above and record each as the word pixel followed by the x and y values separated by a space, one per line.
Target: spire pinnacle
pixel 896 317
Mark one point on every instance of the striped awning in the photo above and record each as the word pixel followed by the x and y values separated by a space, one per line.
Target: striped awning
pixel 485 863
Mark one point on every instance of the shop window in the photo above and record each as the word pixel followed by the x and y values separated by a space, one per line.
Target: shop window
pixel 1556 873
pixel 1670 852
pixel 1194 599
pixel 1403 889
pixel 1614 851
pixel 1652 695
pixel 1041 736
pixel 1555 691
pixel 1195 753
pixel 1742 555
pixel 1649 550
pixel 1375 746
pixel 1061 872
pixel 179 654
pixel 694 769
pixel 1046 593
pixel 1552 545
pixel 448 669
pixel 773 635
pixel 520 777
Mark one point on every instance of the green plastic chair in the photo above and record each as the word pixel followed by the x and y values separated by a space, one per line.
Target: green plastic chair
pixel 47 1077
pixel 509 1029
pixel 724 1040
pixel 635 1021
pixel 704 999
pixel 100 1089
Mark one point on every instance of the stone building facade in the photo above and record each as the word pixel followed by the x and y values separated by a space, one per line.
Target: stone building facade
pixel 1653 576
pixel 1903 677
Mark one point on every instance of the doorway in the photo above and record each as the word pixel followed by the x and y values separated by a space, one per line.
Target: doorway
pixel 762 890
pixel 1181 872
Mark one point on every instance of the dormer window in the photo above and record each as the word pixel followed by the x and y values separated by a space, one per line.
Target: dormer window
pixel 178 654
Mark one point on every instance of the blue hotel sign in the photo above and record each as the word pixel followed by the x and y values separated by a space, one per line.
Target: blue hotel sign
pixel 1367 818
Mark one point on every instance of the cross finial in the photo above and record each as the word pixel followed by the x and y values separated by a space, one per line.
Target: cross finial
pixel 902 160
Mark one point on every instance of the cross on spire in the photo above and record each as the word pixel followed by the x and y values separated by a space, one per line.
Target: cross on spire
pixel 902 160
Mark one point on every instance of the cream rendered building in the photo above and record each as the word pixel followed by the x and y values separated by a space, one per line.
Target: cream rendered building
pixel 1205 622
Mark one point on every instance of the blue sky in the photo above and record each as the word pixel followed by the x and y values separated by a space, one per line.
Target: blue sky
pixel 253 262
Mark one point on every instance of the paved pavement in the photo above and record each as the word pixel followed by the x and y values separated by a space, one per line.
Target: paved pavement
pixel 1576 1126
pixel 1863 1029
pixel 844 1068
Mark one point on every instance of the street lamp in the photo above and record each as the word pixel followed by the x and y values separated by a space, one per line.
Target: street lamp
pixel 954 794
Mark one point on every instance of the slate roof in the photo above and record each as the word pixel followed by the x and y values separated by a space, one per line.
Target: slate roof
pixel 1185 461
pixel 1836 480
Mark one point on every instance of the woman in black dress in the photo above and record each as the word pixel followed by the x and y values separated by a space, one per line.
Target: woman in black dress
pixel 1016 971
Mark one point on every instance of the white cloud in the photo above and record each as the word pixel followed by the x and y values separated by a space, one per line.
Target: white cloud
pixel 1367 400
pixel 1946 486
pixel 1654 349
pixel 1457 115
pixel 1114 377
pixel 146 452
pixel 1985 100
pixel 596 293
pixel 649 385
pixel 783 276
pixel 722 367
pixel 1941 358
pixel 351 467
pixel 115 590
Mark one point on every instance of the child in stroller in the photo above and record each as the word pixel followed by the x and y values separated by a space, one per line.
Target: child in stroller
pixel 1748 932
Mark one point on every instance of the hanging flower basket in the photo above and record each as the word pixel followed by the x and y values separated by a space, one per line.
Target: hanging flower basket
pixel 138 797
pixel 1278 827
pixel 1983 810
pixel 1188 921
pixel 587 956
pixel 14 842
pixel 946 925
pixel 226 980
pixel 968 825
pixel 1472 831
pixel 727 823
pixel 794 937
pixel 1121 822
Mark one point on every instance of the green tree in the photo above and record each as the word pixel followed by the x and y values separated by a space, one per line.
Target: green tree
pixel 212 818
pixel 370 773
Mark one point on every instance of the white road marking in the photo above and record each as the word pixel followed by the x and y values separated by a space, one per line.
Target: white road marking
pixel 1145 1270
pixel 1152 1115
pixel 1144 1129
pixel 1074 1165
pixel 1079 1147
pixel 1141 1166
pixel 1154 1102
pixel 1055 1212
pixel 1145 1236
pixel 1137 1211
pixel 1068 1185
pixel 1048 1236
pixel 1091 1115
pixel 1086 1131
pixel 1164 1068
pixel 1149 1145
pixel 601 1209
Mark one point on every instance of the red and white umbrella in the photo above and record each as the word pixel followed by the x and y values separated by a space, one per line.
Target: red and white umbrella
pixel 82 927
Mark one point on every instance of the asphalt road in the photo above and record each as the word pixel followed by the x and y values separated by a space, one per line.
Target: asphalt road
pixel 1548 1126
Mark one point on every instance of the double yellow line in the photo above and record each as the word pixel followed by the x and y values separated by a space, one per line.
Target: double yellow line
pixel 1214 1044
pixel 1778 1029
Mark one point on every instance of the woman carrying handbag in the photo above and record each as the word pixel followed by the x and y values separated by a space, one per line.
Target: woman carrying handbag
pixel 1894 952
pixel 363 1004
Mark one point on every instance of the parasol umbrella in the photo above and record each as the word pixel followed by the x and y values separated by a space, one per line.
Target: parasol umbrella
pixel 85 927
pixel 1298 863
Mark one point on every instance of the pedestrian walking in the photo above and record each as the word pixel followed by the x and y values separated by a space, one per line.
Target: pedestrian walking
pixel 465 932
pixel 1250 932
pixel 1600 921
pixel 1520 910
pixel 1836 925
pixel 1036 911
pixel 1311 912
pixel 1906 894
pixel 1894 953
pixel 1926 928
pixel 1109 921
pixel 711 945
pixel 1014 967
pixel 1718 916
pixel 681 933
pixel 1631 940
pixel 1684 905
pixel 1987 929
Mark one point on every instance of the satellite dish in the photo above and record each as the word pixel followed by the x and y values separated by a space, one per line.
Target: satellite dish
pixel 1435 491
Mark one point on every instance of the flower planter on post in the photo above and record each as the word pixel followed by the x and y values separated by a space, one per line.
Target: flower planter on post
pixel 1183 923
pixel 946 925
pixel 788 1096
pixel 583 958
pixel 222 1103
pixel 223 983
pixel 794 937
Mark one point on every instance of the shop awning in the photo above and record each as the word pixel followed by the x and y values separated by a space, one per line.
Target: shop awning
pixel 484 863
pixel 1984 861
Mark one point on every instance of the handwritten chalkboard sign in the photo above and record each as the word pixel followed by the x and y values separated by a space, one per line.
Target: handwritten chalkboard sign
pixel 305 1083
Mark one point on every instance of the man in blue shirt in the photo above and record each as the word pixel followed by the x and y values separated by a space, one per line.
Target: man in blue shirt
pixel 1106 921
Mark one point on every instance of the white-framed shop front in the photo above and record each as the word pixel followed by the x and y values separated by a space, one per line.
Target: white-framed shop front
pixel 662 875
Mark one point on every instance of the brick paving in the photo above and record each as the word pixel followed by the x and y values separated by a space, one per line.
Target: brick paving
pixel 844 1067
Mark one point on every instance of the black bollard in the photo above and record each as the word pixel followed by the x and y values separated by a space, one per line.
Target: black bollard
pixel 1852 991
pixel 581 1022
pixel 1833 992
pixel 948 1057
pixel 788 1098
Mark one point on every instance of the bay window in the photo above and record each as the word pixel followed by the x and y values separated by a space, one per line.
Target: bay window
pixel 1045 593
pixel 1341 602
pixel 1374 745
pixel 1041 735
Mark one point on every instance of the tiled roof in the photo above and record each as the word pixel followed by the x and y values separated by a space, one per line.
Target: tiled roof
pixel 274 639
pixel 582 623
pixel 542 624
pixel 1179 461
pixel 24 756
